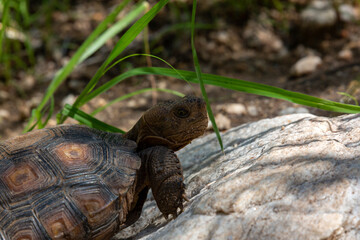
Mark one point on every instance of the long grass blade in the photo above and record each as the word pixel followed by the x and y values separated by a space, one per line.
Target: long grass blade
pixel 123 42
pixel 114 30
pixel 51 110
pixel 349 96
pixel 87 119
pixel 103 88
pixel 96 111
pixel 199 77
pixel 248 87
pixel 3 25
pixel 65 71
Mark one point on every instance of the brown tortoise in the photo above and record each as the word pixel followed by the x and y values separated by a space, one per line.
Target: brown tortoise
pixel 74 182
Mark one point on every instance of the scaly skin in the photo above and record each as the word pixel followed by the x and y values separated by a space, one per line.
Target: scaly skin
pixel 172 124
pixel 163 129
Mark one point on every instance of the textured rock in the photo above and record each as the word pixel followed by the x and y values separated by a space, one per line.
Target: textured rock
pixel 222 121
pixel 69 99
pixel 306 65
pixel 347 13
pixel 259 35
pixel 291 177
pixel 232 108
pixel 252 110
pixel 346 54
pixel 4 114
pixel 318 14
pixel 293 110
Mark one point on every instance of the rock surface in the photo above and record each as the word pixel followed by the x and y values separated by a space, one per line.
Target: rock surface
pixel 318 14
pixel 347 13
pixel 262 36
pixel 291 177
pixel 293 110
pixel 305 65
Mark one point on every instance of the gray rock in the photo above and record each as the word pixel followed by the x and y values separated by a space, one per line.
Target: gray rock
pixel 5 114
pixel 4 95
pixel 222 122
pixel 347 13
pixel 305 65
pixel 232 108
pixel 69 99
pixel 319 14
pixel 346 54
pixel 27 82
pixel 291 177
pixel 260 35
pixel 293 110
pixel 252 110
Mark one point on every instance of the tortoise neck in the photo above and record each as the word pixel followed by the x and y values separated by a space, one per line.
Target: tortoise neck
pixel 145 136
pixel 133 133
pixel 139 132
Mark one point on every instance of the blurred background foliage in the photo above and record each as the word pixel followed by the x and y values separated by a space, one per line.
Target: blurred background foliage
pixel 27 29
pixel 260 41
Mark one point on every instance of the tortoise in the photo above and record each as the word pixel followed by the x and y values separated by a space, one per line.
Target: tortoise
pixel 75 182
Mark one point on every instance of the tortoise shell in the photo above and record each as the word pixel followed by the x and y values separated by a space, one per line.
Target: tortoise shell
pixel 66 182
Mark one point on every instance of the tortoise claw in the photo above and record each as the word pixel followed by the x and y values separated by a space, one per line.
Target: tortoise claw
pixel 185 197
pixel 174 214
pixel 181 206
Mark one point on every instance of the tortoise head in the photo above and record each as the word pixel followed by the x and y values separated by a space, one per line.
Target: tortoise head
pixel 173 124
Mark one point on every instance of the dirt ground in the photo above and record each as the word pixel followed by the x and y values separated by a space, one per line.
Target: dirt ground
pixel 232 46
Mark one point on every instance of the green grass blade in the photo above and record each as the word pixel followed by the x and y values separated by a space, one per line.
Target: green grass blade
pixel 123 42
pixel 96 111
pixel 87 119
pixel 51 110
pixel 134 31
pixel 24 12
pixel 349 96
pixel 105 87
pixel 199 77
pixel 114 30
pixel 4 23
pixel 249 87
pixel 31 127
pixel 65 71
pixel 118 79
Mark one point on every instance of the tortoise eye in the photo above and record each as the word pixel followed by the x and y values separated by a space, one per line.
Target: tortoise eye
pixel 182 112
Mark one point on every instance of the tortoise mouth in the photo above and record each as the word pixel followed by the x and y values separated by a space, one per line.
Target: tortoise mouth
pixel 182 138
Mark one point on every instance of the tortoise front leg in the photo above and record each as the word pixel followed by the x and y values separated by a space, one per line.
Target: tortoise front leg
pixel 135 213
pixel 165 177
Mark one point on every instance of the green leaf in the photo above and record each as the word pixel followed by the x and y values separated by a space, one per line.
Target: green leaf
pixel 65 71
pixel 248 87
pixel 87 119
pixel 96 111
pixel 109 84
pixel 114 30
pixel 199 77
pixel 349 96
pixel 123 42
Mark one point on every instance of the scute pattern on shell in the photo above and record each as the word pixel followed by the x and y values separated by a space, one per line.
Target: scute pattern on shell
pixel 65 181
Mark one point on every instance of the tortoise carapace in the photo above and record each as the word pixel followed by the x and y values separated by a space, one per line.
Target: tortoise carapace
pixel 74 182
